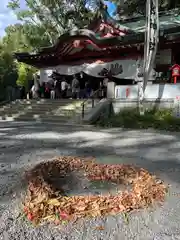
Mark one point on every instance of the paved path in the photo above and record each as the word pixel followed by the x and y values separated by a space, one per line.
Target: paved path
pixel 22 146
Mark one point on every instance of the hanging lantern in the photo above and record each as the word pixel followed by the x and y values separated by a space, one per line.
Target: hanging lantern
pixel 175 72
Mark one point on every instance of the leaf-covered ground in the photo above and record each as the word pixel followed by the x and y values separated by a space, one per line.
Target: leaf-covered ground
pixel 46 198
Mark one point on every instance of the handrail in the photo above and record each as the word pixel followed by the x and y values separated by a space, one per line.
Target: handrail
pixel 92 98
pixel 5 102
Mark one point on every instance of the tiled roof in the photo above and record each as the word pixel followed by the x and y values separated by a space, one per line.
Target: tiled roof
pixel 169 25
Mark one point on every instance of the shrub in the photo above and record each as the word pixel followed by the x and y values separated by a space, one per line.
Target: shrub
pixel 162 119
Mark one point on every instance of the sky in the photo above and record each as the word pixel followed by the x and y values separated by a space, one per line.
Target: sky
pixel 7 16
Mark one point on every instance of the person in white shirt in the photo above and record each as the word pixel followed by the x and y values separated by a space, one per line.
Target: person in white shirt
pixel 75 88
pixel 64 87
pixel 52 93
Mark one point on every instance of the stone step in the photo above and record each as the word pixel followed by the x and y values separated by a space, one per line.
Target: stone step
pixel 15 108
pixel 44 104
pixel 32 115
pixel 61 101
pixel 58 111
pixel 63 110
pixel 47 104
pixel 39 106
pixel 43 119
pixel 36 107
pixel 51 108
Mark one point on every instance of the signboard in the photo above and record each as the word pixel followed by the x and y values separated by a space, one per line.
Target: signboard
pixel 164 57
pixel 126 92
pixel 177 107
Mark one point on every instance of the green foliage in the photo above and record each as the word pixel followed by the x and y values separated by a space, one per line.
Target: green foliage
pixel 45 20
pixel 22 75
pixel 7 67
pixel 13 41
pixel 25 73
pixel 130 118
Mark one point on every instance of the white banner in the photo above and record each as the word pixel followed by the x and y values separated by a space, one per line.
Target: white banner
pixel 124 69
pixel 128 68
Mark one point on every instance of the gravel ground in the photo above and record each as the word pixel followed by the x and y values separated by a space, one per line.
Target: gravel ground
pixel 22 146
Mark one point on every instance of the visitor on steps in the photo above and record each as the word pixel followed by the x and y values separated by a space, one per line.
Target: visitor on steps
pixel 64 87
pixel 22 92
pixel 75 88
pixel 88 89
pixel 47 91
pixel 56 89
pixel 41 90
pixel 82 94
pixel 34 92
pixel 105 83
pixel 101 90
pixel 52 92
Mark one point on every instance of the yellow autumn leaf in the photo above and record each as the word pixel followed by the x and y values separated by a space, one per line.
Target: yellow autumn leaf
pixel 49 218
pixel 54 202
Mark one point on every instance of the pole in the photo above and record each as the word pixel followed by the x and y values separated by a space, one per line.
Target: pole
pixel 150 46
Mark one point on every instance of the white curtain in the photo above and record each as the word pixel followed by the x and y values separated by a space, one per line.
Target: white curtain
pixel 129 67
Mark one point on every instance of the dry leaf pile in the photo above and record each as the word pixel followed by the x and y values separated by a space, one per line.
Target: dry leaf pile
pixel 44 201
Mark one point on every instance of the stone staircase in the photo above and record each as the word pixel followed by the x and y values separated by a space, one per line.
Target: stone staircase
pixel 44 110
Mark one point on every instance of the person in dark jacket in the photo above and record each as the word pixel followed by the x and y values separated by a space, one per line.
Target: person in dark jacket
pixel 22 92
pixel 88 89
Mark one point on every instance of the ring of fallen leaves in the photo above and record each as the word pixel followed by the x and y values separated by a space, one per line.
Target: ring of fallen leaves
pixel 44 202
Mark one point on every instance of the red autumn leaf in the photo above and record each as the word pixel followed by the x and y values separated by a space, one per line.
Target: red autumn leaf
pixel 30 217
pixel 63 215
pixel 26 210
pixel 57 221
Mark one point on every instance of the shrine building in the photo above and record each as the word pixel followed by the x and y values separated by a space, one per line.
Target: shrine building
pixel 108 46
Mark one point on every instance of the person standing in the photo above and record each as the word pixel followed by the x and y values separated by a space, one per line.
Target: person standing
pixel 47 91
pixel 23 92
pixel 82 88
pixel 52 93
pixel 64 87
pixel 101 90
pixel 56 88
pixel 75 88
pixel 88 89
pixel 105 83
pixel 41 90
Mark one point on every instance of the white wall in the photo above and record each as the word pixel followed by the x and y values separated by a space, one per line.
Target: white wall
pixel 154 91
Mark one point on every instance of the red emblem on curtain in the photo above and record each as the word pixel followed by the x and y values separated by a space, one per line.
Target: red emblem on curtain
pixel 114 70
